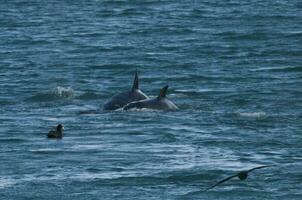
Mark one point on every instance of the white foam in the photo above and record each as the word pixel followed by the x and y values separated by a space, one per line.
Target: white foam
pixel 7 182
pixel 66 92
pixel 253 114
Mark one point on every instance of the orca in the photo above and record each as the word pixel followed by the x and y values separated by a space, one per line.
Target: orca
pixel 121 99
pixel 161 102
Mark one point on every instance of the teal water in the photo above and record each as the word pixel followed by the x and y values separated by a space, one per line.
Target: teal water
pixel 234 70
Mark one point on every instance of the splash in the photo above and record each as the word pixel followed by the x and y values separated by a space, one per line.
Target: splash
pixel 63 92
pixel 54 94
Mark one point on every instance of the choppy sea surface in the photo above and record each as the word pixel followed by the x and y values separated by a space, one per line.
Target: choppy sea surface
pixel 234 69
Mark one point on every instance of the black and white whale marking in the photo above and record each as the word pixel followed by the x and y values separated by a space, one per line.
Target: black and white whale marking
pixel 159 103
pixel 121 99
pixel 242 175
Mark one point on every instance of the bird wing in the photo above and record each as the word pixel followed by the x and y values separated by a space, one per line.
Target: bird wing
pixel 264 166
pixel 222 181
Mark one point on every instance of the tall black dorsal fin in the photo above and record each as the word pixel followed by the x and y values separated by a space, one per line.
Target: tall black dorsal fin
pixel 163 92
pixel 135 81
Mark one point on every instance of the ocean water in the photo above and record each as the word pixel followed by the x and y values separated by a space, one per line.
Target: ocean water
pixel 234 69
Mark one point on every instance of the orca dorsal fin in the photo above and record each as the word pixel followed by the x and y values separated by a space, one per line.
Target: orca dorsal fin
pixel 162 93
pixel 135 81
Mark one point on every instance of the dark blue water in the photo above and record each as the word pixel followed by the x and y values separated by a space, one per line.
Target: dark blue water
pixel 234 69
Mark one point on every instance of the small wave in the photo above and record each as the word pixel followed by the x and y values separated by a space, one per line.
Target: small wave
pixel 87 147
pixel 13 140
pixel 242 35
pixel 6 182
pixel 279 69
pixel 292 34
pixel 253 114
pixel 112 66
pixel 4 102
pixel 56 93
pixel 140 110
pixel 89 96
pixel 129 12
pixel 46 151
pixel 205 91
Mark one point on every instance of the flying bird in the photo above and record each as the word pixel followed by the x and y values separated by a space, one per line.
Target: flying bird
pixel 242 175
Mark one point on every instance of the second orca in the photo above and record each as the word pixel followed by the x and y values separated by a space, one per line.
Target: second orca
pixel 159 103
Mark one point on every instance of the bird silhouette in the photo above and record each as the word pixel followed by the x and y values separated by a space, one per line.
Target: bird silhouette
pixel 58 133
pixel 242 175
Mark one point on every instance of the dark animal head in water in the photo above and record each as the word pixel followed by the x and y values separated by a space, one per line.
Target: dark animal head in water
pixel 60 127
